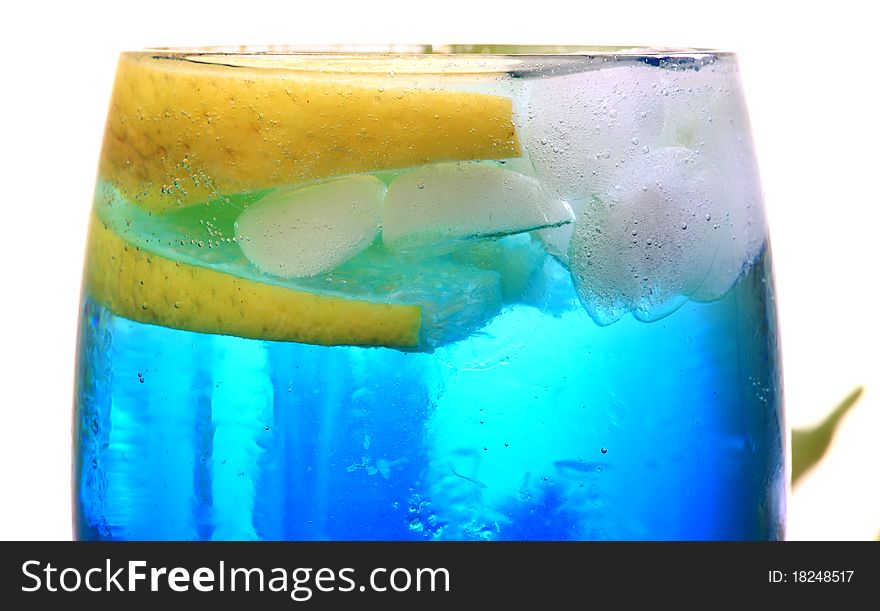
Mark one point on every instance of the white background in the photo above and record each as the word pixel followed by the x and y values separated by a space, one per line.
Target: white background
pixel 811 82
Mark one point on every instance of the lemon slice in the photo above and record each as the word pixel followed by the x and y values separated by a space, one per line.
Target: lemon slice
pixel 180 133
pixel 149 288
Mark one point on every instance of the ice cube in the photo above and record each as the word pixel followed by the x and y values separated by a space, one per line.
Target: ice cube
pixel 515 258
pixel 456 298
pixel 298 232
pixel 583 128
pixel 705 111
pixel 652 241
pixel 557 239
pixel 441 203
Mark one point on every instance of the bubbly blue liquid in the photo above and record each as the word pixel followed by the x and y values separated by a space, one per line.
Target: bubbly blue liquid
pixel 542 425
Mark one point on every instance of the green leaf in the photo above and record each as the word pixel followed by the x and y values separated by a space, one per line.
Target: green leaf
pixel 808 446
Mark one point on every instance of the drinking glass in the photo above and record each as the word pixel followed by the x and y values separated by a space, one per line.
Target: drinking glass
pixel 464 292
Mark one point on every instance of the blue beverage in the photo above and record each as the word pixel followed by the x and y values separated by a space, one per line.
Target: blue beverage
pixel 543 426
pixel 551 318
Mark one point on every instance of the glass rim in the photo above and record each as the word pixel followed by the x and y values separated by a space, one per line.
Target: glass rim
pixel 434 50
pixel 423 60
